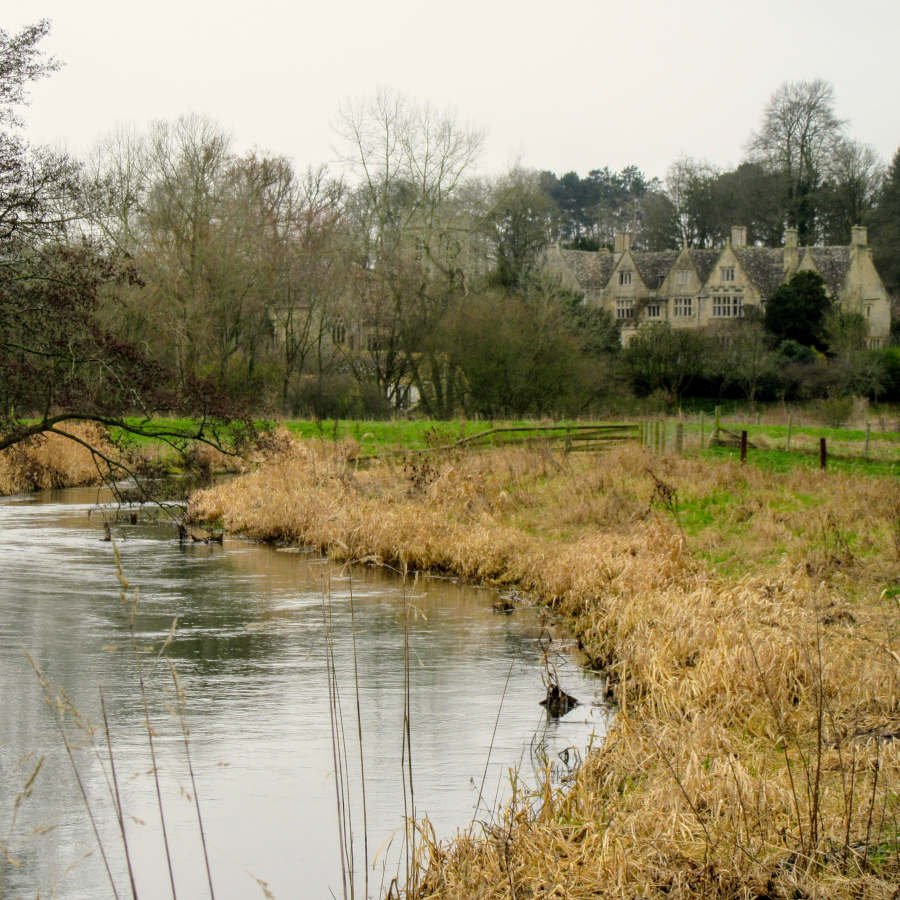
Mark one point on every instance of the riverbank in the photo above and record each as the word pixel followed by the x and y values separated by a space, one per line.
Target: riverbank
pixel 88 454
pixel 53 461
pixel 747 621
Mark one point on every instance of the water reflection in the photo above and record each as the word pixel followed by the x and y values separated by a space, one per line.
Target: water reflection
pixel 250 652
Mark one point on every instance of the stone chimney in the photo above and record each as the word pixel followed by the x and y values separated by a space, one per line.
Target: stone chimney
pixel 791 251
pixel 622 241
pixel 738 236
pixel 859 236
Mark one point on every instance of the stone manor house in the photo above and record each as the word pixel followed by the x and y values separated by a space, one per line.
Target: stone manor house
pixel 692 288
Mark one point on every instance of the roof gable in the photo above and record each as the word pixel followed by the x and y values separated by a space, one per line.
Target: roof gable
pixel 704 262
pixel 654 266
pixel 625 262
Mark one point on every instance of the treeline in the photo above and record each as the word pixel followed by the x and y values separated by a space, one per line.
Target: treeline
pixel 404 279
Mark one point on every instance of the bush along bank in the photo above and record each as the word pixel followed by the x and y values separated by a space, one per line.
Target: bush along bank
pixel 748 625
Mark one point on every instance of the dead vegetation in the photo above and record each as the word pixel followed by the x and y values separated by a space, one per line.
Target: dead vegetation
pixel 53 461
pixel 748 624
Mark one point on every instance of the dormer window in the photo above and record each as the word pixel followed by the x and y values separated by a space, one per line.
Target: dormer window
pixel 727 273
pixel 625 277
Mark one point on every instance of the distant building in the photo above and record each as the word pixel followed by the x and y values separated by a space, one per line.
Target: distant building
pixel 703 288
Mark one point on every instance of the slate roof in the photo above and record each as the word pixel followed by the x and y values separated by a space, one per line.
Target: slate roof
pixel 591 268
pixel 704 261
pixel 833 264
pixel 764 267
pixel 653 266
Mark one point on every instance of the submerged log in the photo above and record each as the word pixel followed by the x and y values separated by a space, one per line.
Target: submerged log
pixel 557 701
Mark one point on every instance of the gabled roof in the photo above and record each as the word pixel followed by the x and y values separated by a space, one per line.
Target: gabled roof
pixel 833 264
pixel 591 268
pixel 704 261
pixel 653 266
pixel 764 267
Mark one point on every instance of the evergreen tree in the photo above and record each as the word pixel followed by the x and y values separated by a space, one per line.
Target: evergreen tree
pixel 886 228
pixel 798 310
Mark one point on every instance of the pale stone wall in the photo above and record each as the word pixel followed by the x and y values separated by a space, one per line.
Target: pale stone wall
pixel 682 283
pixel 719 284
pixel 865 293
pixel 632 293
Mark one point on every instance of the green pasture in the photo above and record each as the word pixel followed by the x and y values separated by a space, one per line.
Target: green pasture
pixel 846 446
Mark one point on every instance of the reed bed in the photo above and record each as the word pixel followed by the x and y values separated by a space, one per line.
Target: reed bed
pixel 54 461
pixel 748 626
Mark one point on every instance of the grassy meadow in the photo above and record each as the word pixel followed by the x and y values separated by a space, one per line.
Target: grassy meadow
pixel 747 620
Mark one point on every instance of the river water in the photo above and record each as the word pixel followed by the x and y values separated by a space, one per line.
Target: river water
pixel 253 628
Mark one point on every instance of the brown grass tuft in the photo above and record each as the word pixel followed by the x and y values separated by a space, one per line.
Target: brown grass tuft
pixel 53 461
pixel 748 625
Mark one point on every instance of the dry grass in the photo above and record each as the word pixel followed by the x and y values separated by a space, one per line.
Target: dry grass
pixel 53 461
pixel 755 753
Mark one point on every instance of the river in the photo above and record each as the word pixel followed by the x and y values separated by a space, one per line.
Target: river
pixel 253 627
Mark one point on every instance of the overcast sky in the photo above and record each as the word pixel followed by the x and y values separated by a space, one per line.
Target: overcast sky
pixel 563 86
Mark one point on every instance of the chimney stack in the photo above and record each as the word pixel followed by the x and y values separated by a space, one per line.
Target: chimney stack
pixel 791 251
pixel 738 236
pixel 622 241
pixel 859 236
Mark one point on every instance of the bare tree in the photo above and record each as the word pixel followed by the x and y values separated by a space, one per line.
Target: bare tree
pixel 518 222
pixel 799 134
pixel 690 185
pixel 410 236
pixel 311 328
pixel 58 361
pixel 849 194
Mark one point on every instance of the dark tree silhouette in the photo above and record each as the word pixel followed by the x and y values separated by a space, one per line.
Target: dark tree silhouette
pixel 798 310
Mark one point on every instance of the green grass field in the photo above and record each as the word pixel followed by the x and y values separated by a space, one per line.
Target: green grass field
pixel 846 446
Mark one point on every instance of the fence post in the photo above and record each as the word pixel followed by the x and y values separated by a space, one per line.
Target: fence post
pixel 868 431
pixel 743 447
pixel 715 434
pixel 823 454
pixel 790 423
pixel 679 438
pixel 701 429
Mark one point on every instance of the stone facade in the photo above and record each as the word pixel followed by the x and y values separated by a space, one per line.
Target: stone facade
pixel 692 288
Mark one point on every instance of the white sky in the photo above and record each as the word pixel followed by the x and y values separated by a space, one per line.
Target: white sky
pixel 574 85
